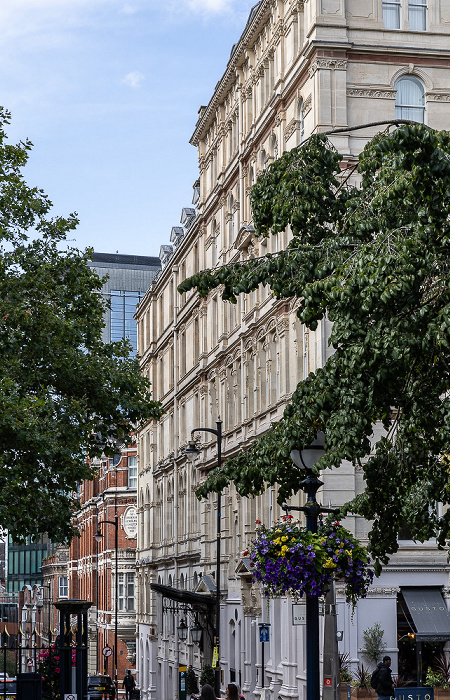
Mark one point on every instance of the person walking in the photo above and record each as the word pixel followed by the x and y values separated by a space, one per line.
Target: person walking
pixel 129 685
pixel 385 686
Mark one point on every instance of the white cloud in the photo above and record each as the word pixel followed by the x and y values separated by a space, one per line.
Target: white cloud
pixel 210 6
pixel 133 79
pixel 128 9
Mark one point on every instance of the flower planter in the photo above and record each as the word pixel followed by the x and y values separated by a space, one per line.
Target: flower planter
pixel 289 559
pixel 441 693
pixel 363 693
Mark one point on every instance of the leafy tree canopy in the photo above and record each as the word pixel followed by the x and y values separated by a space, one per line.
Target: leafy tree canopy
pixel 64 394
pixel 373 257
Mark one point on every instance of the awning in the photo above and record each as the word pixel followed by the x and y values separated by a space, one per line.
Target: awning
pixel 429 613
pixel 200 600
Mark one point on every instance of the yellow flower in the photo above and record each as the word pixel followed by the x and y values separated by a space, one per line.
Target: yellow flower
pixel 336 551
pixel 284 548
pixel 348 552
pixel 278 530
pixel 292 539
pixel 329 564
pixel 284 538
pixel 277 541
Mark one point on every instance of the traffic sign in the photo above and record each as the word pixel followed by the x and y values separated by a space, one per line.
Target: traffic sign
pixel 263 633
pixel 30 662
pixel 70 696
pixel 107 651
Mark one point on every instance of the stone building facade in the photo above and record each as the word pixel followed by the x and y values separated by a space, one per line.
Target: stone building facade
pixel 300 66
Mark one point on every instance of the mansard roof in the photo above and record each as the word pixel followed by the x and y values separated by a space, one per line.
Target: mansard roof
pixel 257 13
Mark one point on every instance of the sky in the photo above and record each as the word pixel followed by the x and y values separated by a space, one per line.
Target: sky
pixel 108 91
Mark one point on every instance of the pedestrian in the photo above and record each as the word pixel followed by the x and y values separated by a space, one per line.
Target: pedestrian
pixel 191 683
pixel 385 686
pixel 232 691
pixel 129 685
pixel 207 693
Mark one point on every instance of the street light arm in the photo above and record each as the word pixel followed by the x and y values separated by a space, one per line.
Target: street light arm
pixel 110 522
pixel 205 430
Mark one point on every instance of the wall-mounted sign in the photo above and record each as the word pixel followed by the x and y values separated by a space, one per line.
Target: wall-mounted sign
pixel 299 612
pixel 129 522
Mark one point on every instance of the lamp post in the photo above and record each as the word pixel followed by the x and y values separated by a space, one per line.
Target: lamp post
pixel 98 538
pixel 192 453
pixel 305 459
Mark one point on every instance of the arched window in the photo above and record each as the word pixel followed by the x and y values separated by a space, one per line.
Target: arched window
pixel 274 145
pixel 263 160
pixel 410 99
pixel 301 122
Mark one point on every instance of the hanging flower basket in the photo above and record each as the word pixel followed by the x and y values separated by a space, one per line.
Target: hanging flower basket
pixel 289 559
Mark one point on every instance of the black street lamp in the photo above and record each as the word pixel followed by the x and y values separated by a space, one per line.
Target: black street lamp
pixel 182 631
pixel 305 459
pixel 192 453
pixel 98 538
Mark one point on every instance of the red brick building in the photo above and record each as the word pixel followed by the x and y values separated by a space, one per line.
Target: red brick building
pixel 91 570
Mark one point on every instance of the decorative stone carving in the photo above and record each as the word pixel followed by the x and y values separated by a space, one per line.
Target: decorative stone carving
pixel 436 97
pixel 291 128
pixel 307 105
pixel 327 64
pixel 280 117
pixel 371 92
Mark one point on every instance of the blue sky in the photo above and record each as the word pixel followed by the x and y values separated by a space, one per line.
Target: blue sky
pixel 108 92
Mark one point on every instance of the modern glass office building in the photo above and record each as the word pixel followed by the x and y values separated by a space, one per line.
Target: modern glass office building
pixel 24 563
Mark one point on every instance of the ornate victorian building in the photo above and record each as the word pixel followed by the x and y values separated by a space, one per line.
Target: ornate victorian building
pixel 299 67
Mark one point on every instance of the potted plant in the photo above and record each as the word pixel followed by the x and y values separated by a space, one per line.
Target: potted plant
pixel 374 646
pixel 361 683
pixel 345 677
pixel 287 558
pixel 438 677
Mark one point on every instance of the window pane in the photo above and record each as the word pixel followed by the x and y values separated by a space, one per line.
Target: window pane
pixel 410 100
pixel 418 15
pixel 123 308
pixel 132 472
pixel 391 15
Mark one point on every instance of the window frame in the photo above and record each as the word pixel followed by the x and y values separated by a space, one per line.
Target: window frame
pixel 63 587
pixel 400 107
pixel 391 4
pixel 132 472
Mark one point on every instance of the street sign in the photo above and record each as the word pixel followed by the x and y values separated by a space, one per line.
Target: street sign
pixel 70 696
pixel 263 633
pixel 30 662
pixel 107 651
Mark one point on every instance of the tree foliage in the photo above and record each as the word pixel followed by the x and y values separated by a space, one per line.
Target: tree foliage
pixel 64 394
pixel 374 257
